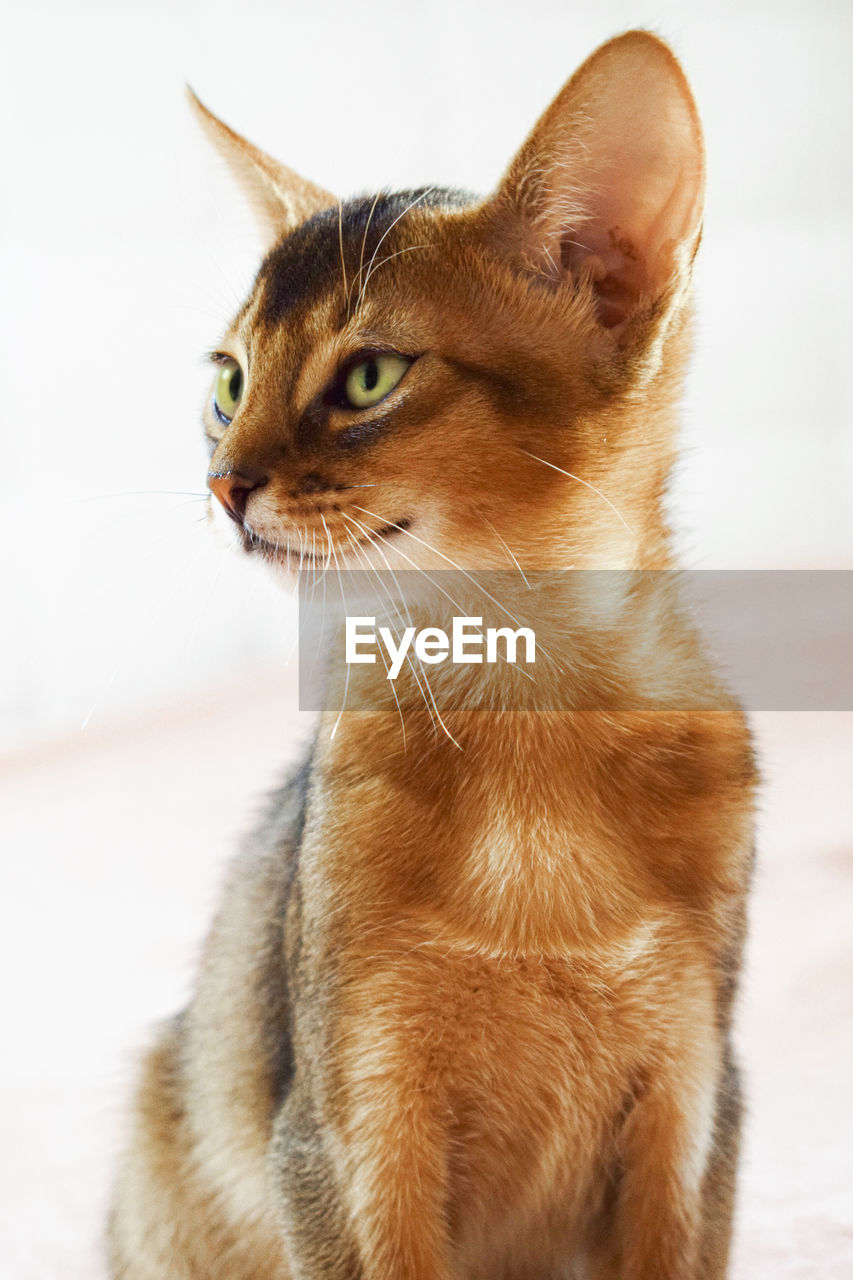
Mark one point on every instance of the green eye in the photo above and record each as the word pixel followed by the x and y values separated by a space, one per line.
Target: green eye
pixel 371 380
pixel 228 389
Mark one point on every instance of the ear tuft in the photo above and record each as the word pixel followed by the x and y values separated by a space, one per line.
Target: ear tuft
pixel 280 199
pixel 609 186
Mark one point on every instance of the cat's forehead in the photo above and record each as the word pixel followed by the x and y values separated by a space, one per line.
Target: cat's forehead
pixel 335 249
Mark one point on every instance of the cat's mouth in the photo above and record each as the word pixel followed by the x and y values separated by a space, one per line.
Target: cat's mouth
pixel 319 555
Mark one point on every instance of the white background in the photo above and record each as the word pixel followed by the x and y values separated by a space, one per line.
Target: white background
pixel 125 250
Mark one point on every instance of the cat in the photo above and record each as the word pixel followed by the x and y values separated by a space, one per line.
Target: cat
pixel 465 1011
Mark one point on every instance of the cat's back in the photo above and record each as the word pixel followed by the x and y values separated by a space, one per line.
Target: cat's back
pixel 210 1086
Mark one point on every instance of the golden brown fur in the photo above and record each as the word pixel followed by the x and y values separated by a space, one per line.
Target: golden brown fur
pixel 465 1011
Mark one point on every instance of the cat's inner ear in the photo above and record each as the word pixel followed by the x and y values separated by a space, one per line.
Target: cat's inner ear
pixel 611 181
pixel 279 198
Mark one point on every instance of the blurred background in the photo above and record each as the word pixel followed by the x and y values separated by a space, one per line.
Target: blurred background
pixel 145 696
pixel 125 250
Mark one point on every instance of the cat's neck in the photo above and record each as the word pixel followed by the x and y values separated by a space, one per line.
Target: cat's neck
pixel 524 834
pixel 497 823
pixel 602 640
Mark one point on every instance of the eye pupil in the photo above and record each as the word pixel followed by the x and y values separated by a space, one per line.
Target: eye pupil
pixel 235 385
pixel 372 379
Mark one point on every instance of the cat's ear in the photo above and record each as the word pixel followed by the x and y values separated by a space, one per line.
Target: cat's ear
pixel 280 199
pixel 610 183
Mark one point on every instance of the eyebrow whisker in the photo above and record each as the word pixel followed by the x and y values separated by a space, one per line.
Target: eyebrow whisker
pixel 387 231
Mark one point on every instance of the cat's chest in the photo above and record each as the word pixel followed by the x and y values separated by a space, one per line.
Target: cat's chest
pixel 590 829
pixel 496 876
pixel 508 1064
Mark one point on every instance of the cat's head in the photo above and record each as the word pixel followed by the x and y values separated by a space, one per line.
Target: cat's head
pixel 424 378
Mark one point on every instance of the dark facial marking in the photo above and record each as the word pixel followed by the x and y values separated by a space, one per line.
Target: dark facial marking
pixel 306 265
pixel 312 482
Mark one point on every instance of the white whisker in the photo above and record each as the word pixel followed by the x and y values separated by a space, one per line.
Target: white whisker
pixel 601 495
pixel 142 493
pixel 387 231
pixel 344 602
pixel 357 276
pixel 503 544
pixel 374 543
pixel 420 664
pixel 341 243
pixel 409 248
pixel 392 525
pixel 357 551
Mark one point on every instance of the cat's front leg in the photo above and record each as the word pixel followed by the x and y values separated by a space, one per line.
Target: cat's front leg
pixel 319 1239
pixel 666 1146
pixel 363 1198
pixel 390 1124
pixel 398 1189
pixel 718 1191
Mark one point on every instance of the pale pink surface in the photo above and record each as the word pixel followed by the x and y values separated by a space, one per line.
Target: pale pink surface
pixel 116 848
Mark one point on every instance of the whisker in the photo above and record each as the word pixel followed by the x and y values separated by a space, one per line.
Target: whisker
pixel 302 618
pixel 503 544
pixel 357 276
pixel 392 525
pixel 396 580
pixel 341 243
pixel 371 271
pixel 317 648
pixel 373 541
pixel 142 493
pixel 601 495
pixel 455 603
pixel 446 594
pixel 346 610
pixel 387 231
pixel 357 551
pixel 125 518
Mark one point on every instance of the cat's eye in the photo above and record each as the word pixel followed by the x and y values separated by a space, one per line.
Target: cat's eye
pixel 372 379
pixel 228 390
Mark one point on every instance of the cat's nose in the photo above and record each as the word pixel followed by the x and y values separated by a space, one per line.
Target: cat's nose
pixel 232 488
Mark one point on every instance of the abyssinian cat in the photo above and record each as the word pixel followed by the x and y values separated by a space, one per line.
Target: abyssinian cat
pixel 465 1011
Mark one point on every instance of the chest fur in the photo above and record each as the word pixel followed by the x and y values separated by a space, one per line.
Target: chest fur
pixel 513 1076
pixel 540 838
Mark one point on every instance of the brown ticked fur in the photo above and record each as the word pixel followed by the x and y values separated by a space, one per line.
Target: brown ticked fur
pixel 465 1011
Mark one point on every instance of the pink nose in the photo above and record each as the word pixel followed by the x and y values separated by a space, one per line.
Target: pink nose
pixel 232 488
